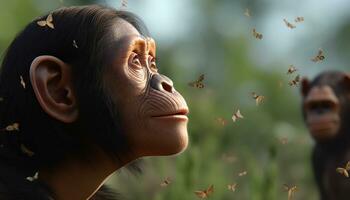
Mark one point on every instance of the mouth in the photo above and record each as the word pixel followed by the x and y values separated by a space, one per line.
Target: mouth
pixel 178 113
pixel 322 126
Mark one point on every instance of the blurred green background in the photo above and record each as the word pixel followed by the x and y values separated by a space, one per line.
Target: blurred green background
pixel 213 37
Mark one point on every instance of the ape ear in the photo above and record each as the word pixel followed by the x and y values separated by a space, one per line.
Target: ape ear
pixel 347 79
pixel 51 80
pixel 305 86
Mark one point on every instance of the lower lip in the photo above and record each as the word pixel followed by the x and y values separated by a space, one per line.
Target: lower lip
pixel 173 117
pixel 322 126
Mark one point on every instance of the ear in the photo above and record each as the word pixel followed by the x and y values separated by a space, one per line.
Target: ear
pixel 305 86
pixel 51 80
pixel 347 80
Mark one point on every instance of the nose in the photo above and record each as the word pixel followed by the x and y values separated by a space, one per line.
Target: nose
pixel 162 83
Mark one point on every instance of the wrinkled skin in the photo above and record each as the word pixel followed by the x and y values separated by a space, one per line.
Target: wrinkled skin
pixel 326 109
pixel 151 113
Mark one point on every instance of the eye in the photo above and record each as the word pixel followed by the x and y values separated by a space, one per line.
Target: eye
pixel 152 63
pixel 135 60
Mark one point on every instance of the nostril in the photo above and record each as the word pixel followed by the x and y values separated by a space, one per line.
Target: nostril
pixel 167 87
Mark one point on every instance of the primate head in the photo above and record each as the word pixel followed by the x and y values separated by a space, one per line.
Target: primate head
pixel 87 83
pixel 326 105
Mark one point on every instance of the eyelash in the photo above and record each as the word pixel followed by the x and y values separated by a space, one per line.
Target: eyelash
pixel 136 61
pixel 153 62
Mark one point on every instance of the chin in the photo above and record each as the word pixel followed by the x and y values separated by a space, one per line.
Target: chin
pixel 168 138
pixel 324 134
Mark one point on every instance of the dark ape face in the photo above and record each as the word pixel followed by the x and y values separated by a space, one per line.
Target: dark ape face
pixel 152 112
pixel 325 104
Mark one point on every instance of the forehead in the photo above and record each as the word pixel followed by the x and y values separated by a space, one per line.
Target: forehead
pixel 123 28
pixel 126 36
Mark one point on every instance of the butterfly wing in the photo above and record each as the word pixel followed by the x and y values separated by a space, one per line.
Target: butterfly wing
pixel 49 24
pixel 201 78
pixel 201 194
pixel 192 84
pixel 347 167
pixel 238 114
pixel 210 190
pixel 49 18
pixel 41 23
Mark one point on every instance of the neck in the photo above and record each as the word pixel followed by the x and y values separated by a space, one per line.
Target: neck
pixel 339 144
pixel 76 180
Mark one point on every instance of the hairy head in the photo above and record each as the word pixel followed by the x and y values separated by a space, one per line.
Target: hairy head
pixel 326 105
pixel 88 82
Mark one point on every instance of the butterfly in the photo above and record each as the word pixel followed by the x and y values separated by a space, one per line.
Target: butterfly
pixel 299 19
pixel 124 3
pixel 166 182
pixel 288 24
pixel 237 115
pixel 205 193
pixel 290 190
pixel 247 12
pixel 258 98
pixel 243 173
pixel 26 151
pixel 295 81
pixel 257 35
pixel 22 82
pixel 12 127
pixel 319 57
pixel 280 84
pixel 229 158
pixel 345 170
pixel 283 140
pixel 232 187
pixel 291 69
pixel 47 22
pixel 33 178
pixel 221 121
pixel 198 83
pixel 75 44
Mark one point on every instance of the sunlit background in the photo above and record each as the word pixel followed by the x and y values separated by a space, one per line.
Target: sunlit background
pixel 214 38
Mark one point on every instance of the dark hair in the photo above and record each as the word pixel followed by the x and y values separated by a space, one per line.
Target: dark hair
pixel 51 140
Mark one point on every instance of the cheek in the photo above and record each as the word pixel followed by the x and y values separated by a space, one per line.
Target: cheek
pixel 137 79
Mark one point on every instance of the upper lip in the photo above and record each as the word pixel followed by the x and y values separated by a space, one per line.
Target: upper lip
pixel 182 111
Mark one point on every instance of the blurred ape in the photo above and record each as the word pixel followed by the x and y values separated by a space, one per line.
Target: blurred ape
pixel 81 97
pixel 326 110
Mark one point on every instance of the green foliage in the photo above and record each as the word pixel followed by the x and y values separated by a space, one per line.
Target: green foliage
pixel 230 76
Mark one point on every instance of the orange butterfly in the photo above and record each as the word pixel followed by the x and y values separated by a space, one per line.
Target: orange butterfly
pixel 288 24
pixel 247 12
pixel 232 187
pixel 290 190
pixel 345 170
pixel 319 57
pixel 243 173
pixel 198 83
pixel 237 115
pixel 295 81
pixel 166 182
pixel 47 22
pixel 299 19
pixel 12 127
pixel 257 35
pixel 258 98
pixel 205 193
pixel 291 69
pixel 22 82
pixel 26 151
